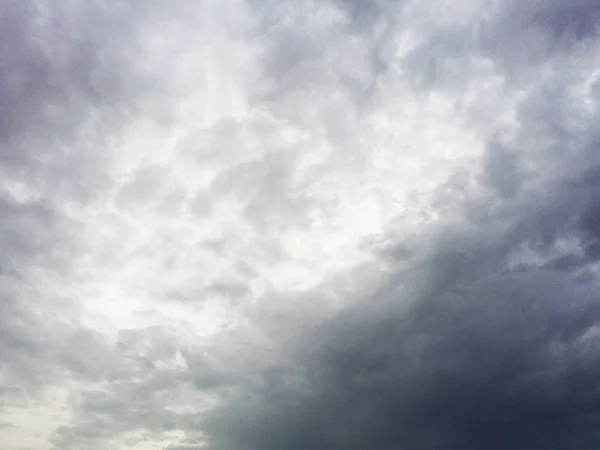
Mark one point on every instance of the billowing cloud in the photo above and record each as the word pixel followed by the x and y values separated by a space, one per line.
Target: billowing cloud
pixel 344 224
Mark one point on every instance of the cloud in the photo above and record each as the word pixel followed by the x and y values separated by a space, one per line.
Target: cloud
pixel 338 225
pixel 483 342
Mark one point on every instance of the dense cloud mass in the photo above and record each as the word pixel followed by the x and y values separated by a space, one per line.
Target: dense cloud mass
pixel 265 225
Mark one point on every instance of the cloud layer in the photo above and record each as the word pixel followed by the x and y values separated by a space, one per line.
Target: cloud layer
pixel 337 225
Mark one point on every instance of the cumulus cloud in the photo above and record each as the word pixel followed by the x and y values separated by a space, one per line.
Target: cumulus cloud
pixel 344 224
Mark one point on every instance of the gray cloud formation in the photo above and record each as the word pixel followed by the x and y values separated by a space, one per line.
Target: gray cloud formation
pixel 478 330
pixel 474 346
pixel 66 81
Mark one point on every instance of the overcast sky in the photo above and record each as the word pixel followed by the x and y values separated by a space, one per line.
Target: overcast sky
pixel 299 224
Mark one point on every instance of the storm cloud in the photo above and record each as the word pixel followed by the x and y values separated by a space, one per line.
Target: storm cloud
pixel 335 225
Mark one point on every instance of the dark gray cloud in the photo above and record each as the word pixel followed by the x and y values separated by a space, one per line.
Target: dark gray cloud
pixel 577 19
pixel 487 340
pixel 484 358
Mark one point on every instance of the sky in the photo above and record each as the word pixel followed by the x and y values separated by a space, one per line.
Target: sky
pixel 299 224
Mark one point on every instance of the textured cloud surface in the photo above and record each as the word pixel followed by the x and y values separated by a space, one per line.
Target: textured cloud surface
pixel 266 225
